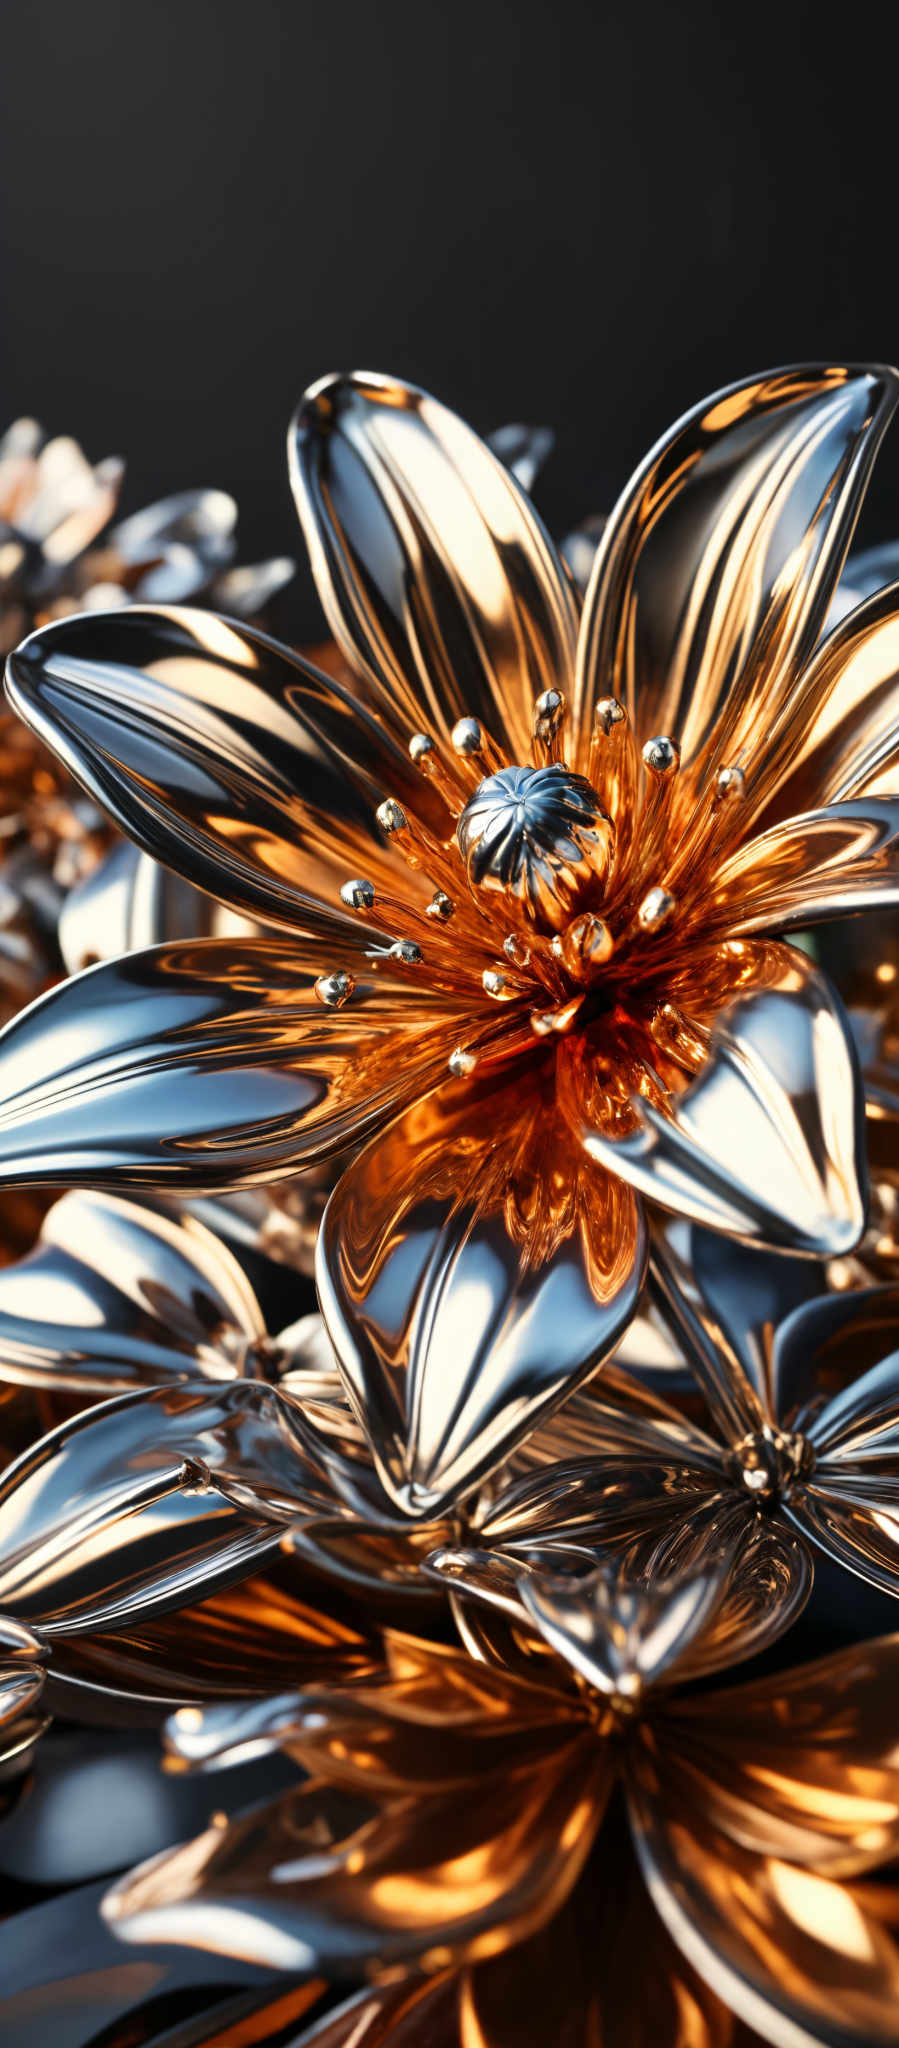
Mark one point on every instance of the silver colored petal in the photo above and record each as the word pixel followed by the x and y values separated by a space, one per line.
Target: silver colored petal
pixel 146 1503
pixel 116 1296
pixel 202 1065
pixel 128 903
pixel 460 1310
pixel 823 864
pixel 437 578
pixel 223 755
pixel 523 449
pixel 768 1142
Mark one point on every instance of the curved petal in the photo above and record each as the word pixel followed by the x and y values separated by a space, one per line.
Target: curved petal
pixel 427 1880
pixel 223 755
pixel 824 1347
pixel 435 573
pixel 127 904
pixel 716 570
pixel 116 1296
pixel 827 863
pixel 470 1273
pixel 850 1503
pixel 726 1305
pixel 145 1503
pixel 801 1959
pixel 279 1629
pixel 801 1766
pixel 204 1065
pixel 768 1142
pixel 838 742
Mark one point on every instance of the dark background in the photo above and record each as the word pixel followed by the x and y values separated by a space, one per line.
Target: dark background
pixel 559 213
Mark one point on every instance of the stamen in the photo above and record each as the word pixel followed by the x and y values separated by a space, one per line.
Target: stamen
pixel 612 770
pixel 545 1022
pixel 461 1063
pixel 655 909
pixel 333 990
pixel 661 761
pixel 358 895
pixel 674 1034
pixel 516 950
pixel 550 713
pixel 405 951
pixel 730 783
pixel 419 848
pixel 427 757
pixel 585 944
pixel 497 984
pixel 476 749
pixel 441 906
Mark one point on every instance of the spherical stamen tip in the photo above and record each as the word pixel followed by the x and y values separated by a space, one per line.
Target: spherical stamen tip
pixel 441 906
pixel 496 984
pixel 730 783
pixel 461 1063
pixel 550 711
pixel 333 990
pixel 421 747
pixel 609 712
pixel 661 755
pixel 655 909
pixel 358 895
pixel 585 944
pixel 467 737
pixel 516 950
pixel 390 816
pixel 405 951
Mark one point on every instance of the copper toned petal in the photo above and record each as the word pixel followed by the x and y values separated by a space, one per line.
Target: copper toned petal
pixel 469 1274
pixel 824 864
pixel 840 740
pixel 716 569
pixel 802 1765
pixel 768 1142
pixel 225 756
pixel 278 1629
pixel 147 1502
pixel 427 1879
pixel 116 1296
pixel 803 1960
pixel 204 1065
pixel 436 575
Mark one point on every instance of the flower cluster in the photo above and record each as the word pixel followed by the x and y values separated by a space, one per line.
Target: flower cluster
pixel 525 925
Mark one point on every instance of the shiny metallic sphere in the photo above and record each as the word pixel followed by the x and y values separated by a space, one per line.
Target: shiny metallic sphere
pixel 538 834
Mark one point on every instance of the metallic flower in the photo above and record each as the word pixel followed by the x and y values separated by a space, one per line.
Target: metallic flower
pixel 590 968
pixel 58 555
pixel 22 1674
pixel 459 1804
pixel 802 1393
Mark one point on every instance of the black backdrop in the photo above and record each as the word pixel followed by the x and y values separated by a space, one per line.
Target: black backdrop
pixel 567 212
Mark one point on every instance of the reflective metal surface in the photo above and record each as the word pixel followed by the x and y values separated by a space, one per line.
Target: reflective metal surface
pixel 754 1813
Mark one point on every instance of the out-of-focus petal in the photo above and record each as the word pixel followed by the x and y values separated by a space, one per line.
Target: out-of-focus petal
pixel 115 1296
pixel 523 449
pixel 716 570
pixel 207 1064
pixel 823 864
pixel 223 755
pixel 767 1142
pixel 126 904
pixel 795 1955
pixel 147 1502
pixel 280 1628
pixel 470 1273
pixel 438 579
pixel 802 1765
pixel 427 1879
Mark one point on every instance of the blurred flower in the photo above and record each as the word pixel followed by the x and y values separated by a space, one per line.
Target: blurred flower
pixel 58 555
pixel 21 1684
pixel 459 1807
pixel 567 914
